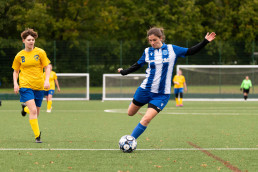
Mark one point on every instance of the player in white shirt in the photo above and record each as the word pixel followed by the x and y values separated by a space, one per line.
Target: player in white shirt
pixel 156 87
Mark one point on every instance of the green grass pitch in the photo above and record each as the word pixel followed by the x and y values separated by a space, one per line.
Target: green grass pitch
pixel 84 135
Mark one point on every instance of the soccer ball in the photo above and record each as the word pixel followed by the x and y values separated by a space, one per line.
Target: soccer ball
pixel 127 144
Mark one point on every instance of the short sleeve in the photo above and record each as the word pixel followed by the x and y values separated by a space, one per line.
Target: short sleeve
pixel 44 60
pixel 141 61
pixel 55 77
pixel 179 51
pixel 174 78
pixel 16 64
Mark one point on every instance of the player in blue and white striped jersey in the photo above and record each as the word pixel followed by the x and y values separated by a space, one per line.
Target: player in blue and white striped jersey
pixel 156 87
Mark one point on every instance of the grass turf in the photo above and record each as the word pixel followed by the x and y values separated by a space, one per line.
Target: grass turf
pixel 85 125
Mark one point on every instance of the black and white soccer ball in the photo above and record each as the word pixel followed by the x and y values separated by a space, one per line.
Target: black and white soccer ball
pixel 127 144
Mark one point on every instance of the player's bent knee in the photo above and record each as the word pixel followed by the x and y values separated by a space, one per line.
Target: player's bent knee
pixel 145 122
pixel 130 113
pixel 33 111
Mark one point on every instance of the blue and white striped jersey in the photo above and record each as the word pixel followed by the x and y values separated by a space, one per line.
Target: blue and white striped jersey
pixel 160 67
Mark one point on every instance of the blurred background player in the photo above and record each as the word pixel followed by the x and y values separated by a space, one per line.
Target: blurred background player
pixel 179 86
pixel 50 92
pixel 28 66
pixel 155 89
pixel 245 86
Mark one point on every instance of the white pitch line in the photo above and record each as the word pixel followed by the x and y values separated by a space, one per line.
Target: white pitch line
pixel 68 111
pixel 185 113
pixel 169 149
pixel 173 113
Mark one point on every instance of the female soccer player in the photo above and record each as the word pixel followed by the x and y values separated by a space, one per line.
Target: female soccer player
pixel 156 87
pixel 50 92
pixel 28 65
pixel 179 86
pixel 246 85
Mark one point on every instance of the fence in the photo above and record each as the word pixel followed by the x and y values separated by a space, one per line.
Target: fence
pixel 105 56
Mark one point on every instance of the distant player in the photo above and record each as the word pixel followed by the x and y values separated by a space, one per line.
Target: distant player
pixel 179 86
pixel 50 92
pixel 156 87
pixel 245 86
pixel 28 65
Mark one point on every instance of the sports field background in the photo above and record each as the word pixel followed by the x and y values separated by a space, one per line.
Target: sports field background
pixel 84 135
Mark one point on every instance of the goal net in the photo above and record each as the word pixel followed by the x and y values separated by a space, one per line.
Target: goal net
pixel 74 86
pixel 218 82
pixel 118 87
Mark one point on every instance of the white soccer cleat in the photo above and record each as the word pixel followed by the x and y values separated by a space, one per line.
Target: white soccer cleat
pixel 49 110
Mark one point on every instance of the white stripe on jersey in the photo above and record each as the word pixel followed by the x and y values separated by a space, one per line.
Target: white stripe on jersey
pixel 143 85
pixel 172 56
pixel 158 71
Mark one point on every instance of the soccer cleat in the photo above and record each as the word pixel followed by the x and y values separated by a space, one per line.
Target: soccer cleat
pixel 23 113
pixel 181 105
pixel 177 105
pixel 37 140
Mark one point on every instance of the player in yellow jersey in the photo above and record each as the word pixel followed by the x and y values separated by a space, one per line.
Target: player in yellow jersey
pixel 50 92
pixel 179 86
pixel 28 65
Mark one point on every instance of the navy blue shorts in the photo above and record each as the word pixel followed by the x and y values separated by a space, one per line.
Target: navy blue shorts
pixel 178 90
pixel 27 94
pixel 46 93
pixel 144 96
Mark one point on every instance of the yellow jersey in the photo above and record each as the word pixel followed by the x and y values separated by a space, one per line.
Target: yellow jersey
pixel 180 79
pixel 31 64
pixel 52 79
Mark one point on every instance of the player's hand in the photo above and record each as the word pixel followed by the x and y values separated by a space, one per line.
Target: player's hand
pixel 46 84
pixel 119 69
pixel 185 89
pixel 210 37
pixel 16 89
pixel 58 89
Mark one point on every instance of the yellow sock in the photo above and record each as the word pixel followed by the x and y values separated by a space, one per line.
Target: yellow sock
pixel 49 105
pixel 26 109
pixel 177 103
pixel 35 127
pixel 181 101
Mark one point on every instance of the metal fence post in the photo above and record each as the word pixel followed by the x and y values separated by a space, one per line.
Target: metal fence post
pixel 55 67
pixel 88 56
pixel 121 53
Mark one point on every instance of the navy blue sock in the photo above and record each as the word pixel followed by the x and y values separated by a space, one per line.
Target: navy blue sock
pixel 139 129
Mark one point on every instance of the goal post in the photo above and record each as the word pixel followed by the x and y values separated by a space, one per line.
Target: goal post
pixel 74 86
pixel 118 87
pixel 218 82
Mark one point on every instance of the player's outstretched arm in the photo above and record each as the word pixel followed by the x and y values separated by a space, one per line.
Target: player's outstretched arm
pixel 194 49
pixel 131 69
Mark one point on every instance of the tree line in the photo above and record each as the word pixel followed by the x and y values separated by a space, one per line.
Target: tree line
pixel 234 20
pixel 103 34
